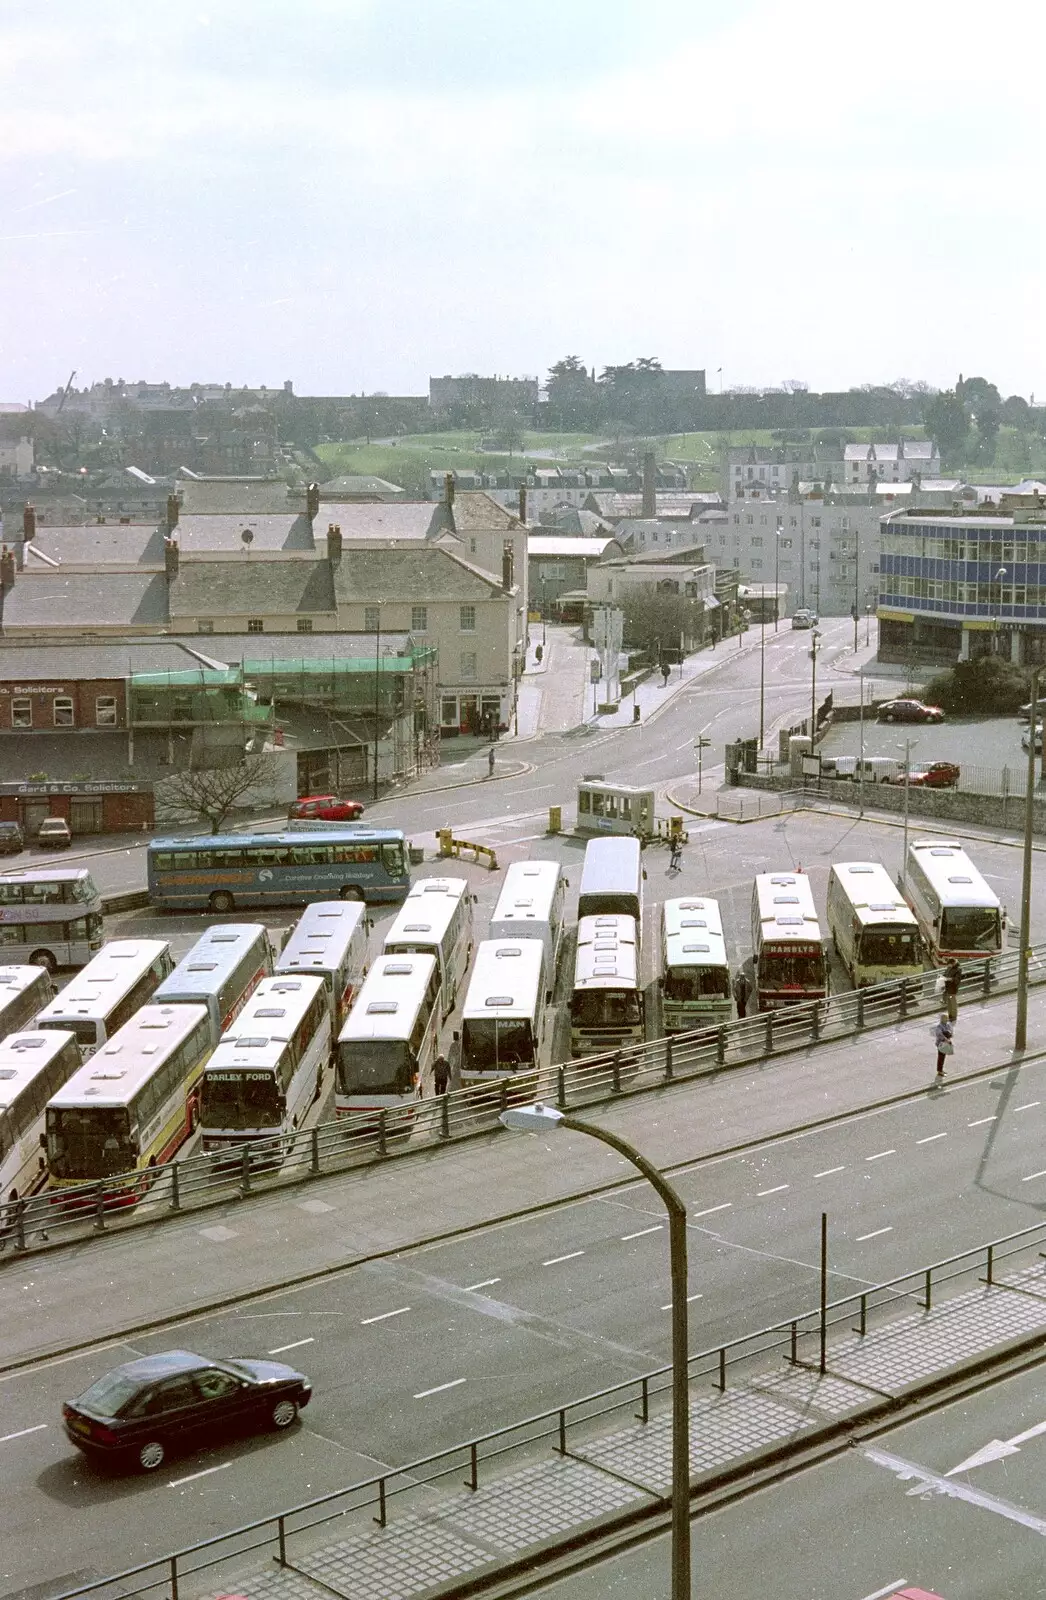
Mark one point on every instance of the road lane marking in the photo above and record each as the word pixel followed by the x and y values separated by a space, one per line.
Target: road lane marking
pixel 724 1207
pixel 982 1120
pixel 1029 1105
pixel 827 1173
pixel 385 1315
pixel 761 1193
pixel 453 1384
pixel 642 1232
pixel 927 1481
pixel 891 1589
pixel 38 1428
pixel 879 1155
pixel 554 1262
pixel 688 1300
pixel 280 1348
pixel 176 1483
pixel 1032 1175
pixel 861 1237
pixel 930 1137
pixel 486 1284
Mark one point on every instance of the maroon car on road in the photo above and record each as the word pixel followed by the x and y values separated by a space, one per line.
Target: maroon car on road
pixel 324 808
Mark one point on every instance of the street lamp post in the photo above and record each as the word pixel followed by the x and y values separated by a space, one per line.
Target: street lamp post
pixel 762 666
pixel 857 583
pixel 1020 1036
pixel 909 746
pixel 377 698
pixel 542 1119
pixel 815 637
pixel 997 607
pixel 777 574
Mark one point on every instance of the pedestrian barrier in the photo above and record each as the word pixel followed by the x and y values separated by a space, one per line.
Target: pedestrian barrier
pixel 449 846
pixel 366 1139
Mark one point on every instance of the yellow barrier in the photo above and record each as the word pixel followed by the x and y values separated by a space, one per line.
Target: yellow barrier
pixel 555 819
pixel 449 846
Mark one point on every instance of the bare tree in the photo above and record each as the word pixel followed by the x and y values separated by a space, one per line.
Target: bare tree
pixel 209 794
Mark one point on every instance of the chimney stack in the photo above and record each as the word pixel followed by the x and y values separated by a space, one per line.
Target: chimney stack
pixel 448 486
pixel 312 501
pixel 7 570
pixel 173 507
pixel 649 485
pixel 28 521
pixel 333 543
pixel 170 558
pixel 523 504
pixel 508 562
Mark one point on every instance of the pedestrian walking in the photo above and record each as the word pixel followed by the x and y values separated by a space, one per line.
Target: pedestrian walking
pixel 943 1039
pixel 675 860
pixel 952 980
pixel 441 1073
pixel 740 988
pixel 490 762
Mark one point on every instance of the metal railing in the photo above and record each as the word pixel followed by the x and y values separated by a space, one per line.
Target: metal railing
pixel 367 1138
pixel 797 1341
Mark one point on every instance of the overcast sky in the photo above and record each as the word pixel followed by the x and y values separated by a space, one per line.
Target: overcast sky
pixel 356 194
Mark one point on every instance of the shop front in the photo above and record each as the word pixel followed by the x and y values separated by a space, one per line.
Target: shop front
pixel 102 807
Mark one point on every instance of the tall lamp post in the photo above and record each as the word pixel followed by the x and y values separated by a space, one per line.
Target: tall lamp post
pixel 997 607
pixel 377 697
pixel 857 583
pixel 908 747
pixel 1020 1035
pixel 777 573
pixel 815 639
pixel 542 1119
pixel 762 667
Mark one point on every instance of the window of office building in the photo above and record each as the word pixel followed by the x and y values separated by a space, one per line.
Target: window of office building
pixel 419 619
pixel 255 625
pixel 105 711
pixel 467 619
pixel 21 713
pixel 63 711
pixel 304 624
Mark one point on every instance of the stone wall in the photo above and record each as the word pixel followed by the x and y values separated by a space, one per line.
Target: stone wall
pixel 1005 812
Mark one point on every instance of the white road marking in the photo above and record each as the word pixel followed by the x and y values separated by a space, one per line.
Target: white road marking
pixel 1029 1105
pixel 927 1481
pixel 879 1155
pixel 1032 1175
pixel 688 1300
pixel 176 1483
pixel 724 1207
pixel 554 1262
pixel 981 1121
pixel 385 1315
pixel 930 1137
pixel 861 1237
pixel 828 1171
pixel 642 1232
pixel 486 1284
pixel 280 1348
pixel 891 1588
pixel 761 1193
pixel 37 1428
pixel 440 1388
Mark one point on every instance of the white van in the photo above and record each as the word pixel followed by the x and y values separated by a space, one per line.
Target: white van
pixel 873 769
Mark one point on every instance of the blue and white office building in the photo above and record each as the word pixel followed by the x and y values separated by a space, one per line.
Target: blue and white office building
pixel 958 584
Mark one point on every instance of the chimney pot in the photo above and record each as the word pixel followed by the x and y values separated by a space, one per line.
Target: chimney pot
pixel 172 512
pixel 28 521
pixel 334 543
pixel 170 558
pixel 312 500
pixel 523 503
pixel 448 484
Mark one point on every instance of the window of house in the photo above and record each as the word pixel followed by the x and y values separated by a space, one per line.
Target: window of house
pixel 105 711
pixel 21 713
pixel 757 542
pixel 736 517
pixel 472 547
pixel 468 665
pixel 204 625
pixel 448 711
pixel 815 522
pixel 255 625
pixel 371 619
pixel 749 518
pixel 757 562
pixel 63 711
pixel 467 622
pixel 419 619
pixel 304 624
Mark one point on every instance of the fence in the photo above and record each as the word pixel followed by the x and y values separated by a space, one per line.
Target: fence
pixel 800 1341
pixel 368 1138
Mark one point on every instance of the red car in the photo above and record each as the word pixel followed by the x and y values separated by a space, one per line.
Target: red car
pixel 934 775
pixel 324 808
pixel 909 711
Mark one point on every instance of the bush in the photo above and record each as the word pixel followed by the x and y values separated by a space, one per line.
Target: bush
pixel 988 685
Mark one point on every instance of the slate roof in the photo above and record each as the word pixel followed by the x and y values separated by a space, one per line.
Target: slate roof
pixel 427 572
pixel 234 648
pixel 96 544
pixel 60 600
pixel 406 519
pixel 237 496
pixel 251 588
pixel 918 449
pixel 475 511
pixel 571 519
pixel 217 532
pixel 352 484
pixel 56 663
pixel 103 755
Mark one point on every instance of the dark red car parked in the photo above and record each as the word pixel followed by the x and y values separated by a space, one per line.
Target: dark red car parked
pixel 324 808
pixel 934 775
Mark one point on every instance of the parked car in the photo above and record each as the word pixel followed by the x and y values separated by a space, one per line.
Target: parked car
pixel 1024 713
pixel 143 1411
pixel 872 769
pixel 12 839
pixel 324 808
pixel 54 834
pixel 1026 739
pixel 804 619
pixel 933 775
pixel 909 711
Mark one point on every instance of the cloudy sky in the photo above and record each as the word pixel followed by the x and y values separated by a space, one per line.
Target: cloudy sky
pixel 357 193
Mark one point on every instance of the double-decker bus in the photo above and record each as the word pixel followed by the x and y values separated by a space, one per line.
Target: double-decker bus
pixel 50 916
pixel 532 905
pixel 959 916
pixel 222 871
pixel 436 919
pixel 134 1104
pixel 505 1013
pixel 874 930
pixel 330 942
pixel 114 984
pixel 33 1067
pixel 606 1004
pixel 268 1068
pixel 221 972
pixel 787 952
pixel 24 991
pixel 390 1038
pixel 612 881
pixel 695 973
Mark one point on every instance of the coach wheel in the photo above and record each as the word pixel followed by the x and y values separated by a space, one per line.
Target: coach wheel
pixel 222 901
pixel 44 958
pixel 349 891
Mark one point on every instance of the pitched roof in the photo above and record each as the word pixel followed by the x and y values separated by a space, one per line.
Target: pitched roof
pixel 401 519
pixel 475 511
pixel 94 544
pixel 426 572
pixel 251 588
pixel 352 484
pixel 566 544
pixel 54 663
pixel 236 495
pixel 917 449
pixel 60 600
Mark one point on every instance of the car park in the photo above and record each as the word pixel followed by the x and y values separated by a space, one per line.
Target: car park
pixel 324 808
pixel 143 1411
pixel 804 618
pixel 931 775
pixel 909 711
pixel 54 834
pixel 12 839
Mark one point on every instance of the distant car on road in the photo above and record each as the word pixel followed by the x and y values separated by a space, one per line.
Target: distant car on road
pixel 1026 739
pixel 804 619
pixel 933 775
pixel 324 808
pixel 144 1410
pixel 909 711
pixel 12 839
pixel 54 834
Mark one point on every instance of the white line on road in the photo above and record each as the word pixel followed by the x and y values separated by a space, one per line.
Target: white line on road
pixel 37 1428
pixel 879 1155
pixel 724 1207
pixel 557 1259
pixel 762 1193
pixel 930 1137
pixel 176 1483
pixel 642 1232
pixel 891 1588
pixel 828 1171
pixel 385 1315
pixel 1029 1105
pixel 1031 1175
pixel 906 1471
pixel 861 1237
pixel 688 1300
pixel 280 1348
pixel 486 1284
pixel 439 1388
pixel 981 1121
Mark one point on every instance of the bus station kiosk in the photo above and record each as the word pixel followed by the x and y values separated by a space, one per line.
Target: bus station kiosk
pixel 605 806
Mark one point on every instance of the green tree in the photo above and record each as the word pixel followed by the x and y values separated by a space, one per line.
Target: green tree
pixel 946 421
pixel 977 393
pixel 989 685
pixel 988 424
